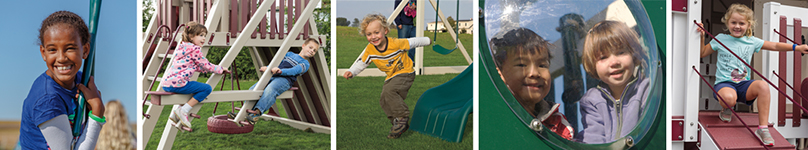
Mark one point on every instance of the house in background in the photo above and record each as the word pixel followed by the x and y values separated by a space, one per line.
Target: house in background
pixel 465 26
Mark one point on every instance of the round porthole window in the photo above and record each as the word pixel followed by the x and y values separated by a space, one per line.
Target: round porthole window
pixel 580 74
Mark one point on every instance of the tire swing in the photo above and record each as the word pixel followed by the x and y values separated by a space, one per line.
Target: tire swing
pixel 223 123
pixel 440 49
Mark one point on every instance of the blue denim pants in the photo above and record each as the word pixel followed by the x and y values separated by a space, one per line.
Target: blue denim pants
pixel 276 86
pixel 200 90
pixel 408 31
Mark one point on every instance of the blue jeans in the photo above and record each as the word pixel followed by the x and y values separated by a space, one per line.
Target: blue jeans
pixel 200 90
pixel 408 31
pixel 276 86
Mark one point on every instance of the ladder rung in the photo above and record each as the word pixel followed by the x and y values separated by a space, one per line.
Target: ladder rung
pixel 151 78
pixel 164 56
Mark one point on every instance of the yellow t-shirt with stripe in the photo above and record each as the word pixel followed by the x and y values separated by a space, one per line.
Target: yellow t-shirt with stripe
pixel 392 61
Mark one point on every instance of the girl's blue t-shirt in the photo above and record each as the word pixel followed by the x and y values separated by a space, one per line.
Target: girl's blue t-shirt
pixel 729 68
pixel 46 100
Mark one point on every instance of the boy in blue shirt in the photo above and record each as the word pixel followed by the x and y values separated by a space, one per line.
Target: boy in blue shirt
pixel 283 77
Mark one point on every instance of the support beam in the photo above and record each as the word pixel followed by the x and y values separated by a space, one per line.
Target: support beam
pixel 212 22
pixel 419 32
pixel 691 78
pixel 299 124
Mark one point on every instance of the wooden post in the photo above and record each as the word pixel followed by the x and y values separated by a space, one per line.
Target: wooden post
pixel 781 99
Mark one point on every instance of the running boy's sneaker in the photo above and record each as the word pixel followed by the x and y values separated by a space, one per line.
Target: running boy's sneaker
pixel 725 115
pixel 183 117
pixel 400 125
pixel 765 136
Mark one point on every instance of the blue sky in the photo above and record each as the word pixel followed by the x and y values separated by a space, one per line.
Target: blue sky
pixel 542 16
pixel 348 9
pixel 115 55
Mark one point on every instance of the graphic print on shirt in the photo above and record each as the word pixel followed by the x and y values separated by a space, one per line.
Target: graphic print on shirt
pixel 739 71
pixel 392 59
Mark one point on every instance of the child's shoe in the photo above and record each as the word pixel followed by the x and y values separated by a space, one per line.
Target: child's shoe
pixel 183 117
pixel 725 115
pixel 252 118
pixel 765 136
pixel 253 111
pixel 400 125
pixel 174 117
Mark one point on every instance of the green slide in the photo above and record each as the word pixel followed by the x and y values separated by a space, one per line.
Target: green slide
pixel 442 111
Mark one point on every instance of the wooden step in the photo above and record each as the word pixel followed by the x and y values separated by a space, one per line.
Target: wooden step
pixel 734 135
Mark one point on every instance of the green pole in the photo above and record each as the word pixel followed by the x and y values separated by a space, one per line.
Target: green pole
pixel 89 68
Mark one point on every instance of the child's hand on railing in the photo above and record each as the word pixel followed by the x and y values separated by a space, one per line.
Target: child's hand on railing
pixel 264 68
pixel 701 32
pixel 276 70
pixel 226 71
pixel 801 49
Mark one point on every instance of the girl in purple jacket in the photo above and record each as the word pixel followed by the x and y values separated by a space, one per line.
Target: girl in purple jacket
pixel 613 54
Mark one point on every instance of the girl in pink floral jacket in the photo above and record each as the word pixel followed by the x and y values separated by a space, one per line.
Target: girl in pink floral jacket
pixel 187 60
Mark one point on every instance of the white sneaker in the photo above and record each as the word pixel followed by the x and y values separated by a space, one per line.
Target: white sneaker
pixel 174 117
pixel 183 117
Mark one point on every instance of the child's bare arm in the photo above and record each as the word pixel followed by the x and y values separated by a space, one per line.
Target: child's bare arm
pixel 777 46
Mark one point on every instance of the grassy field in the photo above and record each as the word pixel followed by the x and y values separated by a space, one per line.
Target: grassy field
pixel 350 44
pixel 363 125
pixel 9 134
pixel 265 135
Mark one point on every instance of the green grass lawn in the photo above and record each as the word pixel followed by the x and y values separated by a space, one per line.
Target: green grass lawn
pixel 350 44
pixel 265 135
pixel 363 125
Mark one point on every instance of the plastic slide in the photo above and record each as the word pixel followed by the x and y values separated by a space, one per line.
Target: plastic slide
pixel 442 111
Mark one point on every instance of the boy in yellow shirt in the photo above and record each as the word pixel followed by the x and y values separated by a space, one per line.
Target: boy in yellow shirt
pixel 390 56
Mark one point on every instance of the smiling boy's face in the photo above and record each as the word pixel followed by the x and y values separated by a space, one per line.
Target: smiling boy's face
pixel 527 76
pixel 63 53
pixel 309 49
pixel 375 33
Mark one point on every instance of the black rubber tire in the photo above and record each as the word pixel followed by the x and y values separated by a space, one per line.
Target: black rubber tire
pixel 220 124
